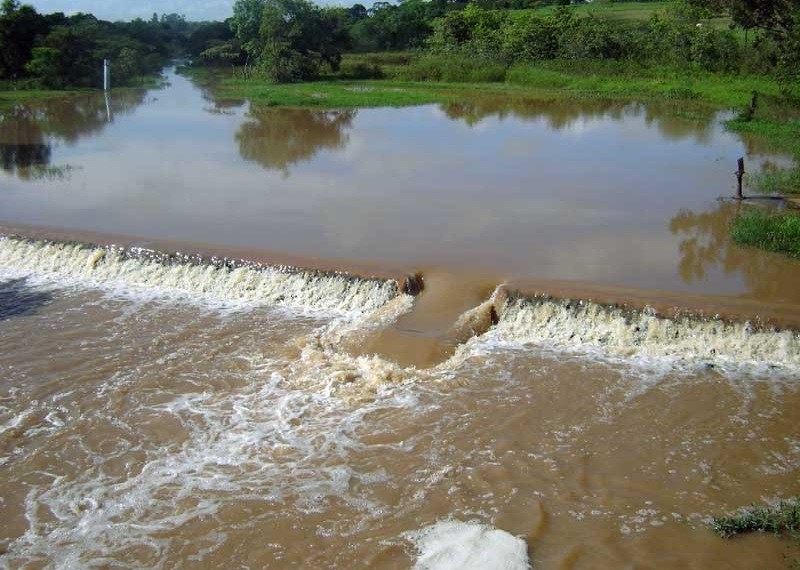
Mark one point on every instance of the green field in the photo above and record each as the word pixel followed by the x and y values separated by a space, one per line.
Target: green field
pixel 626 11
pixel 616 10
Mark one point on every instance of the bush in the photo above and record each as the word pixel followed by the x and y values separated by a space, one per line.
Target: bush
pixel 360 70
pixel 454 68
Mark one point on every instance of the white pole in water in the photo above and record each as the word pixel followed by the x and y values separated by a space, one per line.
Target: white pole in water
pixel 106 75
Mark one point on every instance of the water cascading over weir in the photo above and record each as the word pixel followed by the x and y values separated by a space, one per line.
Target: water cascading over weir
pixel 690 331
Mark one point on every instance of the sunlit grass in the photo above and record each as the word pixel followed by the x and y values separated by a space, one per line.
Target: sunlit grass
pixel 779 233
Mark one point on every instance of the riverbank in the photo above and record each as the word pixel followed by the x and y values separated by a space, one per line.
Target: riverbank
pixel 11 97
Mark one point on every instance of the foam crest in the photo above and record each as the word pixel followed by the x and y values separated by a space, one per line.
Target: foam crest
pixel 232 280
pixel 455 545
pixel 642 334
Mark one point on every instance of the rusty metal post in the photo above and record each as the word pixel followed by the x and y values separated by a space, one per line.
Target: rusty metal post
pixel 739 174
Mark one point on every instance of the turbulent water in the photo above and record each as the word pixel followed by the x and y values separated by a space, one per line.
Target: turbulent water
pixel 159 412
pixel 215 411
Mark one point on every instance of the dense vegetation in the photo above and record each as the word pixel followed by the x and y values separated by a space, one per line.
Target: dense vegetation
pixel 293 40
pixel 57 51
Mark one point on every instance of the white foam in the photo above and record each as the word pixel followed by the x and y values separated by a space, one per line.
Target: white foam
pixel 99 266
pixel 456 545
pixel 642 336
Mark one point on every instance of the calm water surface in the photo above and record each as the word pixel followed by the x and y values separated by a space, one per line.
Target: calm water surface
pixel 622 194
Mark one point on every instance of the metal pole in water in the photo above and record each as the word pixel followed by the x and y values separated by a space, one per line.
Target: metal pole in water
pixel 108 107
pixel 106 75
pixel 739 174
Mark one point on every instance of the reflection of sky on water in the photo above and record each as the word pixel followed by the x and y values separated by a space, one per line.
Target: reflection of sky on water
pixel 546 190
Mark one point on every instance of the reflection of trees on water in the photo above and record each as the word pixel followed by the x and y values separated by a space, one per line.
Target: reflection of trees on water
pixel 672 121
pixel 279 138
pixel 706 246
pixel 28 133
pixel 23 157
pixel 218 105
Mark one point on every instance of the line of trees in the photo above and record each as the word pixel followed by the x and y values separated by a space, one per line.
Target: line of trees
pixel 296 40
pixel 56 51
pixel 292 40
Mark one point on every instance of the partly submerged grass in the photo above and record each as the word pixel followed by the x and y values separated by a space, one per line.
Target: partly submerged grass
pixel 629 80
pixel 11 98
pixel 783 519
pixel 771 231
pixel 782 181
pixel 334 93
pixel 411 79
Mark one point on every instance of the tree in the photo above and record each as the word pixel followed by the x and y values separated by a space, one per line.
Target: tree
pixel 290 39
pixel 245 24
pixel 19 28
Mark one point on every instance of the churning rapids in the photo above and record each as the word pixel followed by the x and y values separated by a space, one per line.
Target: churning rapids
pixel 164 410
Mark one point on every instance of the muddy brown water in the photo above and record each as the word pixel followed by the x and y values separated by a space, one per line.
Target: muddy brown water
pixel 194 416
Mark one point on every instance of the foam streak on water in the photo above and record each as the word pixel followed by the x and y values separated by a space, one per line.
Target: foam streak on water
pixel 250 284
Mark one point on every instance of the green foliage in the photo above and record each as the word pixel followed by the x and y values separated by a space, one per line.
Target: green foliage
pixel 453 68
pixel 293 38
pixel 785 517
pixel 57 51
pixel 782 181
pixel 780 233
pixel 406 25
pixel 561 35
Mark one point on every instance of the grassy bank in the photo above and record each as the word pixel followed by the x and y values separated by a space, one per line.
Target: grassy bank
pixel 776 232
pixel 397 79
pixel 11 98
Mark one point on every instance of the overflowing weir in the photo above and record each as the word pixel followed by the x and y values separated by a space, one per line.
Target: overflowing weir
pixel 511 315
pixel 236 280
pixel 624 332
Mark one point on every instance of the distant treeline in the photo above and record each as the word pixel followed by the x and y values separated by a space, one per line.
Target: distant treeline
pixel 57 51
pixel 296 40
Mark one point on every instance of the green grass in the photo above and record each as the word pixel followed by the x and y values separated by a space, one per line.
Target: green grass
pixel 612 10
pixel 783 519
pixel 10 98
pixel 414 79
pixel 627 80
pixel 335 93
pixel 770 231
pixel 625 11
pixel 783 181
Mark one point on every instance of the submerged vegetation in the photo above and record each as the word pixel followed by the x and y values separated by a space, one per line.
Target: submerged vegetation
pixel 782 519
pixel 777 232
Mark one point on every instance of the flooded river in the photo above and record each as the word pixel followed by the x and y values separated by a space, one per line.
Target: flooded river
pixel 206 412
